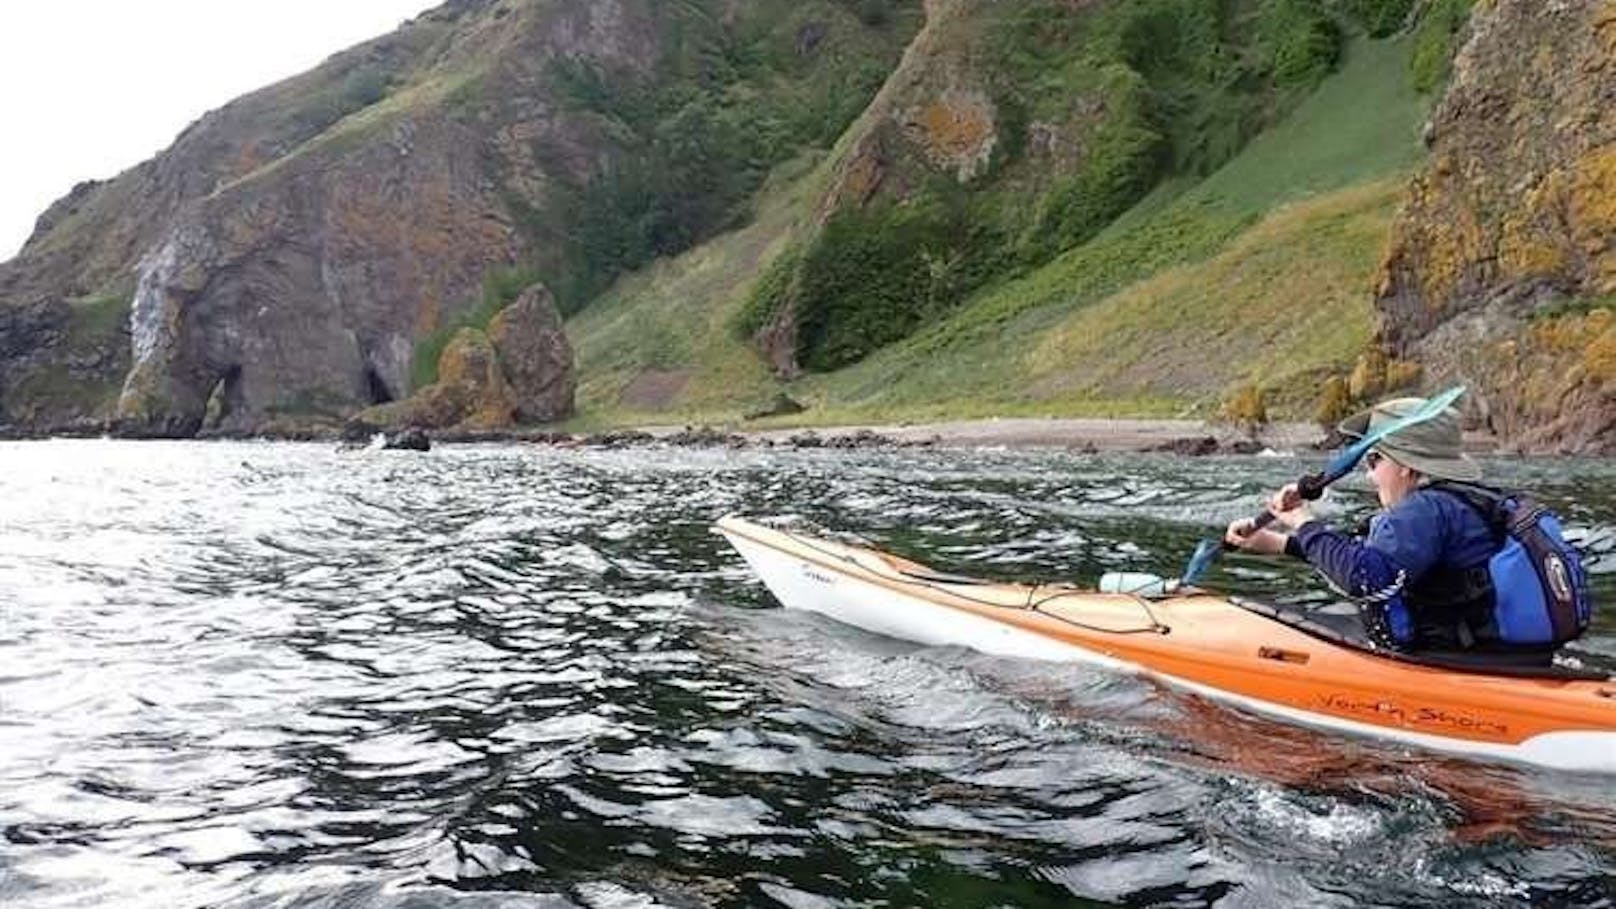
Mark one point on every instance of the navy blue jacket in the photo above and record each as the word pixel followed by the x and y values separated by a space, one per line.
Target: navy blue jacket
pixel 1427 530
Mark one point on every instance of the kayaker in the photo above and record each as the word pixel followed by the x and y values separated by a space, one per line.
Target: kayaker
pixel 1425 573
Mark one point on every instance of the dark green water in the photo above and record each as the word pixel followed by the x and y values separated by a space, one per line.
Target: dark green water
pixel 266 675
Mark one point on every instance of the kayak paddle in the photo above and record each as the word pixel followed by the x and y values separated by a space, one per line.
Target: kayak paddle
pixel 1312 486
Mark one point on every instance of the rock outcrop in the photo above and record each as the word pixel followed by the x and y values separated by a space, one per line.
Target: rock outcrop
pixel 535 356
pixel 519 371
pixel 1502 269
pixel 471 391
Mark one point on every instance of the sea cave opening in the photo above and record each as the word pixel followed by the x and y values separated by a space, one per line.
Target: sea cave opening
pixel 377 387
pixel 223 399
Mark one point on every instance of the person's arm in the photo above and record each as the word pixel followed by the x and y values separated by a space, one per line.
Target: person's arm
pixel 1401 546
pixel 1242 535
pixel 1357 568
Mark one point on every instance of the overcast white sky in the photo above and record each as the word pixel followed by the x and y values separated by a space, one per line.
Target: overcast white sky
pixel 89 88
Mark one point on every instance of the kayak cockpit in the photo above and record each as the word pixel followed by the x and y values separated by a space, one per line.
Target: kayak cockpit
pixel 1338 624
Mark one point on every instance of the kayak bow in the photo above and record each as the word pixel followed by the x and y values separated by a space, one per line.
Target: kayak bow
pixel 1199 641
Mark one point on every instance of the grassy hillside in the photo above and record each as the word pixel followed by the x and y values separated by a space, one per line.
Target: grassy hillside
pixel 1259 272
pixel 1017 131
pixel 657 346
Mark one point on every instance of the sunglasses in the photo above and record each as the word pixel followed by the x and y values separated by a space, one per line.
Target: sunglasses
pixel 1373 459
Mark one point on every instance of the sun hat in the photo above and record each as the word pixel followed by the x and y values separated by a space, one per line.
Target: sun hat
pixel 1432 447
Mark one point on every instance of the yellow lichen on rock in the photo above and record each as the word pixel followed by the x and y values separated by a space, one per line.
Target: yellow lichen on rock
pixel 471 391
pixel 1604 22
pixel 1591 211
pixel 1587 342
pixel 1553 386
pixel 1514 220
pixel 1455 243
pixel 1368 375
pixel 1247 407
pixel 1375 374
pixel 1532 238
pixel 859 177
pixel 1402 374
pixel 1438 237
pixel 1335 402
pixel 956 131
pixel 1600 355
pixel 470 365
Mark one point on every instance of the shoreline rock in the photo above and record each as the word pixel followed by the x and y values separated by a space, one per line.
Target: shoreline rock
pixel 1187 438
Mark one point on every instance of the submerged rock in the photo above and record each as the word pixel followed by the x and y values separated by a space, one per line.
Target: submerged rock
pixel 412 439
pixel 1196 446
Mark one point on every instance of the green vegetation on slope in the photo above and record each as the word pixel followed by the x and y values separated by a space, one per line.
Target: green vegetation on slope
pixel 1381 17
pixel 94 331
pixel 876 275
pixel 1433 42
pixel 1284 302
pixel 1285 235
pixel 655 346
pixel 738 91
pixel 1120 96
pixel 1359 128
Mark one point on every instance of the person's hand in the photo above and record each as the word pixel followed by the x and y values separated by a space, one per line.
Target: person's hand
pixel 1289 508
pixel 1243 535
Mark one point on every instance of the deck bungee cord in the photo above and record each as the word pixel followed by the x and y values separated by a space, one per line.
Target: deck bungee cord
pixel 931 580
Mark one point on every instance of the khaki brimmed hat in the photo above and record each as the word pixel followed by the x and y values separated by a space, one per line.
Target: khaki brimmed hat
pixel 1434 447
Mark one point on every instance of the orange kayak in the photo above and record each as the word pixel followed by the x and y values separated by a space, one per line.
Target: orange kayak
pixel 1248 654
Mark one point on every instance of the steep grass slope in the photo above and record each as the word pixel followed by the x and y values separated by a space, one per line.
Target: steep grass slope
pixel 658 346
pixel 1153 315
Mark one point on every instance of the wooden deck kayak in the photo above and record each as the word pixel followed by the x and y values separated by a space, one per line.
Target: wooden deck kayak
pixel 1200 641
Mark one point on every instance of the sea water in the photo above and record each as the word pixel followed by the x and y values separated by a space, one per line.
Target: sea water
pixel 282 675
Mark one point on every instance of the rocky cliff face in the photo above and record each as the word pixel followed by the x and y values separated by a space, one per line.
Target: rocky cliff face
pixel 79 271
pixel 1502 270
pixel 301 296
pixel 285 260
pixel 281 258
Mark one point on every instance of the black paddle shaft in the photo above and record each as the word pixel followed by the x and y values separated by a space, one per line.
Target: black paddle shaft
pixel 1309 487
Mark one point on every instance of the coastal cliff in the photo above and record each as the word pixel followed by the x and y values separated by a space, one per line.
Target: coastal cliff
pixel 1502 268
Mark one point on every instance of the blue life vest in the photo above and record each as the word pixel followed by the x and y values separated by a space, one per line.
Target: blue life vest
pixel 1534 590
